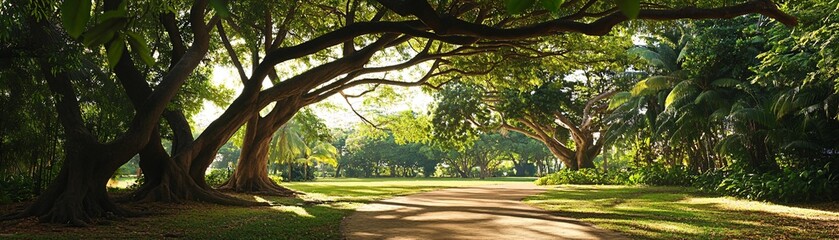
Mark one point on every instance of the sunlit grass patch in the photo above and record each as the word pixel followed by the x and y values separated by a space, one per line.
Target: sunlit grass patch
pixel 683 213
pixel 366 190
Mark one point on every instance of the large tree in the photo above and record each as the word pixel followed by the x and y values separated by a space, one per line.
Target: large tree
pixel 78 193
pixel 563 114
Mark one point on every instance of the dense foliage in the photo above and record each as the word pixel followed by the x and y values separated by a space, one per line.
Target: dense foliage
pixel 743 108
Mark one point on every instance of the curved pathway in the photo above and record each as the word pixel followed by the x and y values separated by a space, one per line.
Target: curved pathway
pixel 485 212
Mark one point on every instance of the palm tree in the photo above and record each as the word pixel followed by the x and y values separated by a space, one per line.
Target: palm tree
pixel 300 141
pixel 287 145
pixel 683 113
pixel 318 152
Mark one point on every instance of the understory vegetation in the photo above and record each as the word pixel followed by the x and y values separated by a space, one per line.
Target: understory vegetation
pixel 808 185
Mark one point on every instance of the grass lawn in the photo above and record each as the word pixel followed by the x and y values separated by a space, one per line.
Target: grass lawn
pixel 316 215
pixel 638 212
pixel 681 213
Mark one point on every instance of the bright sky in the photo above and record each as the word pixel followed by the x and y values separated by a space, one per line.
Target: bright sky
pixel 338 115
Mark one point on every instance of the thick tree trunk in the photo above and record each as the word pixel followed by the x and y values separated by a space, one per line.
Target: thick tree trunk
pixel 587 150
pixel 569 162
pixel 78 195
pixel 251 173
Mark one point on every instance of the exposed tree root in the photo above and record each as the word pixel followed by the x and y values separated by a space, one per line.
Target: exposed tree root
pixel 260 185
pixel 181 188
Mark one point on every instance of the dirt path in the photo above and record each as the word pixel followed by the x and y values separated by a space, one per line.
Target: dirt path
pixel 486 212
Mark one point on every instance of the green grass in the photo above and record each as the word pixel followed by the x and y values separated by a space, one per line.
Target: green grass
pixel 683 213
pixel 364 190
pixel 315 215
pixel 638 212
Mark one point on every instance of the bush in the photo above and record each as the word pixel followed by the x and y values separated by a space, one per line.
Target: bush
pixel 661 176
pixel 276 178
pixel 788 185
pixel 657 176
pixel 15 189
pixel 565 176
pixel 217 177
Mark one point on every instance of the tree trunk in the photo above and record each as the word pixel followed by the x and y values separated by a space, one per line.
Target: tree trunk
pixel 569 163
pixel 251 173
pixel 78 194
pixel 290 177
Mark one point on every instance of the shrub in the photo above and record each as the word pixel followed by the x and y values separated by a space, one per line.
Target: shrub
pixel 565 176
pixel 787 185
pixel 276 178
pixel 657 175
pixel 217 177
pixel 15 189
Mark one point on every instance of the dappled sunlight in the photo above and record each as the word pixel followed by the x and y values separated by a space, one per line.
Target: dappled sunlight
pixel 736 204
pixel 488 212
pixel 260 199
pixel 682 213
pixel 301 212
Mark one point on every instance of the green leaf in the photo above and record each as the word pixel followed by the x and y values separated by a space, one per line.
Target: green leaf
pixel 103 32
pixel 552 5
pixel 652 85
pixel 518 6
pixel 74 16
pixel 139 46
pixel 630 8
pixel 115 50
pixel 107 16
pixel 679 93
pixel 619 99
pixel 711 98
pixel 725 82
pixel 220 6
pixel 756 115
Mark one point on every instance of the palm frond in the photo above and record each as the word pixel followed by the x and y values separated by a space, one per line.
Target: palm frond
pixel 652 85
pixel 731 145
pixel 726 83
pixel 619 99
pixel 682 92
pixel 800 144
pixel 712 98
pixel 648 55
pixel 759 116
